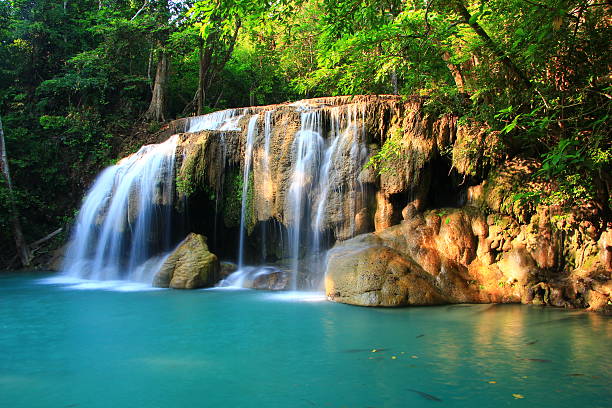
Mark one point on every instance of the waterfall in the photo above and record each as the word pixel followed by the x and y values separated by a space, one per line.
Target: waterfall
pixel 267 182
pixel 324 186
pixel 248 156
pixel 303 200
pixel 350 157
pixel 126 218
pixel 222 157
pixel 307 147
pixel 222 120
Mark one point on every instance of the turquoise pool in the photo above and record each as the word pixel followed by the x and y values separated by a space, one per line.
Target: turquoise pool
pixel 114 345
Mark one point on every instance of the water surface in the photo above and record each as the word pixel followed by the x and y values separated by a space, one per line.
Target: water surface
pixel 110 345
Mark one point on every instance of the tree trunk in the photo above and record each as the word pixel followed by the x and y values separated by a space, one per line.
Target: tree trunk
pixel 205 56
pixel 22 248
pixel 157 108
pixel 211 64
pixel 507 62
pixel 455 71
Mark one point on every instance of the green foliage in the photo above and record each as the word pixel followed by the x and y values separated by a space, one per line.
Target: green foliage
pixel 184 184
pixel 76 77
pixel 387 158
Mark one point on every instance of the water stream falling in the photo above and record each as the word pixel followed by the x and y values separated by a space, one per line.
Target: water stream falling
pixel 267 182
pixel 301 202
pixel 307 148
pixel 222 120
pixel 248 157
pixel 126 218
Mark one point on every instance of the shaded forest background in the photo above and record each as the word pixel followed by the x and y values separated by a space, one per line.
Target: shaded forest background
pixel 83 82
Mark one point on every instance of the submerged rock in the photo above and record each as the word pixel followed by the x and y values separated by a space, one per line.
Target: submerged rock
pixel 263 278
pixel 190 266
pixel 272 280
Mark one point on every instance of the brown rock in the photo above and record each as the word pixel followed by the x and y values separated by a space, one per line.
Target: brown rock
pixel 57 259
pixel 363 272
pixel 226 269
pixel 275 280
pixel 518 265
pixel 190 266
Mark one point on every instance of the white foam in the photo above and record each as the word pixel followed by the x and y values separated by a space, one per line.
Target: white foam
pixel 61 280
pixel 73 283
pixel 296 296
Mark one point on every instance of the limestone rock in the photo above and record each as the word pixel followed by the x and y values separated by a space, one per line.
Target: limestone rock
pixel 57 258
pixel 363 272
pixel 226 269
pixel 190 266
pixel 518 265
pixel 273 280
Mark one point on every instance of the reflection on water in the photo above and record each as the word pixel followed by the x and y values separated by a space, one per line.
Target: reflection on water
pixel 98 348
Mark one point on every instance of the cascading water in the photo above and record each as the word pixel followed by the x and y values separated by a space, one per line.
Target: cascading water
pixel 302 202
pixel 248 157
pixel 267 175
pixel 321 197
pixel 343 158
pixel 222 120
pixel 324 186
pixel 307 148
pixel 125 222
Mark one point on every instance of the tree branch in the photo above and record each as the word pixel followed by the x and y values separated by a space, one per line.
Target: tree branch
pixel 507 62
pixel 146 3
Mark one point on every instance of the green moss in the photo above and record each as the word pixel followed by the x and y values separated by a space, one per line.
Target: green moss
pixel 232 200
pixel 190 177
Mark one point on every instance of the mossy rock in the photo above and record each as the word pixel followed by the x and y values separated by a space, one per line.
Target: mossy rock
pixel 190 266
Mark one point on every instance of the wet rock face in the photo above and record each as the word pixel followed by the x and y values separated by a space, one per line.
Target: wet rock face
pixel 190 266
pixel 355 127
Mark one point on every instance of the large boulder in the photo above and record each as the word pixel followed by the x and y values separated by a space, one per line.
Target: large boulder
pixel 362 271
pixel 190 266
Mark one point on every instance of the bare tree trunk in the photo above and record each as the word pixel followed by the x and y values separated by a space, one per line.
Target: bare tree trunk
pixel 394 83
pixel 204 68
pixel 22 248
pixel 211 66
pixel 507 62
pixel 455 71
pixel 157 108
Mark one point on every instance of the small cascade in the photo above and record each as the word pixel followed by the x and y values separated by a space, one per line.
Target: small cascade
pixel 348 161
pixel 267 182
pixel 307 148
pixel 324 186
pixel 222 120
pixel 248 157
pixel 126 218
pixel 344 157
pixel 222 157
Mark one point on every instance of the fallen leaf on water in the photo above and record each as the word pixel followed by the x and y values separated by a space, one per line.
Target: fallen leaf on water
pixel 518 396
